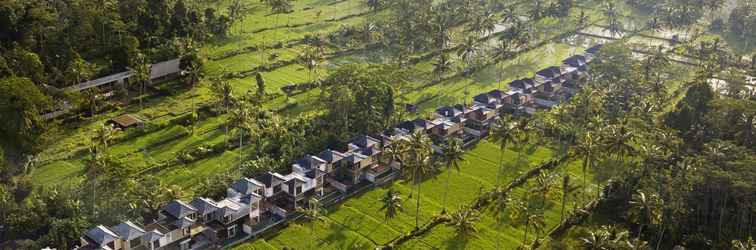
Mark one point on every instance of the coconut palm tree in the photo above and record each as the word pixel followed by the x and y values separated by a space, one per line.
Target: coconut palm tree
pixel 610 12
pixel 618 141
pixel 509 14
pixel 374 5
pixel 141 71
pixel 468 49
pixel 310 59
pixel 597 239
pixel 240 120
pixel 195 73
pixel 581 20
pixel 537 222
pixel 567 190
pixel 452 155
pixel 644 210
pixel 503 135
pixel 545 185
pixel 396 152
pixel 464 220
pixel 442 65
pixel 314 212
pixel 588 150
pixel 419 163
pixel 748 244
pixel 392 203
pixel 223 93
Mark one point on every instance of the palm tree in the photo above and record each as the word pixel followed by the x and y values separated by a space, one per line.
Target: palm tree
pixel 463 221
pixel 567 190
pixel 503 135
pixel 240 121
pixel 537 221
pixel 310 59
pixel 509 14
pixel 313 212
pixel 521 131
pixel 95 166
pixel 749 244
pixel 224 96
pixel 392 203
pixel 442 65
pixel 468 49
pixel 581 20
pixel 420 163
pixel 452 155
pixel 597 239
pixel 644 210
pixel 374 5
pixel 195 74
pixel 610 12
pixel 618 141
pixel 545 183
pixel 588 151
pixel 396 152
pixel 141 71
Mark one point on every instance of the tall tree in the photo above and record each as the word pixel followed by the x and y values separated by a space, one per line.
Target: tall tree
pixel 392 203
pixel 452 156
pixel 464 220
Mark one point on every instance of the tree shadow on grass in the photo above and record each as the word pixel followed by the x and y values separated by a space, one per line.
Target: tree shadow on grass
pixel 459 241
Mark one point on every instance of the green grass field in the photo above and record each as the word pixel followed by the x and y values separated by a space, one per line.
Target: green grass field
pixel 360 220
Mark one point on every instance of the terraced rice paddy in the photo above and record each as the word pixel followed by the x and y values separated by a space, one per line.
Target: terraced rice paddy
pixel 358 223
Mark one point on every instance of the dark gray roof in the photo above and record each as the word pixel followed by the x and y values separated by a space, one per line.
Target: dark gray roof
pixel 331 156
pixel 593 49
pixel 354 158
pixel 184 222
pixel 204 205
pixel 267 178
pixel 424 124
pixel 550 72
pixel 153 236
pixel 449 111
pixel 179 209
pixel 101 235
pixel 309 162
pixel 483 98
pixel 247 185
pixel 497 94
pixel 365 141
pixel 525 83
pixel 575 61
pixel 128 230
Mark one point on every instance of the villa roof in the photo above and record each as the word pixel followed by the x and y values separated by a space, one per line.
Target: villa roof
pixel 575 61
pixel 331 156
pixel 594 49
pixel 364 141
pixel 179 209
pixel 550 72
pixel 204 205
pixel 184 222
pixel 268 177
pixel 153 235
pixel 525 83
pixel 128 230
pixel 101 235
pixel 354 158
pixel 247 185
pixel 449 111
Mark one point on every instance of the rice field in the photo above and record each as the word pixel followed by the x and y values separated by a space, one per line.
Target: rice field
pixel 360 220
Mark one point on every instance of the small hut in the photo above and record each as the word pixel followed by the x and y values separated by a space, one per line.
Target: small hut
pixel 125 121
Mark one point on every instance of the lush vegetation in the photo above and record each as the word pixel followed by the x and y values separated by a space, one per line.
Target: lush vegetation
pixel 269 81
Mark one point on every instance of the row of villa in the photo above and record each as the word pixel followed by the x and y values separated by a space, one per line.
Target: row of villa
pixel 253 205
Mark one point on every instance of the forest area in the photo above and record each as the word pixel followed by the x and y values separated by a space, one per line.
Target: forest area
pixel 656 149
